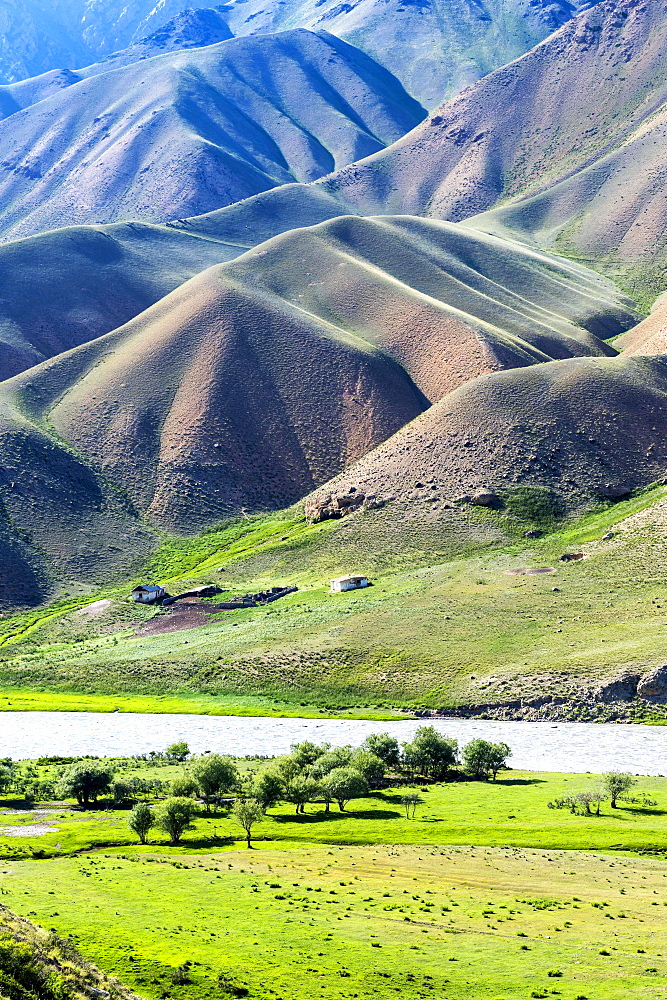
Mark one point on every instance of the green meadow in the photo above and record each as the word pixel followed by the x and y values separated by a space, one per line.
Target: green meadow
pixel 451 619
pixel 369 904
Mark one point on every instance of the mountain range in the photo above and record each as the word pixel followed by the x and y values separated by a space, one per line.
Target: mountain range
pixel 433 47
pixel 299 282
pixel 187 132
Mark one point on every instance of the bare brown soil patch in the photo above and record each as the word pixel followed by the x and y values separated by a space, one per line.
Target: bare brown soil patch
pixel 184 615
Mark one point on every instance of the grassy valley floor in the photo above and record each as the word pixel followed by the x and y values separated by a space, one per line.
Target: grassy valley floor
pixel 339 922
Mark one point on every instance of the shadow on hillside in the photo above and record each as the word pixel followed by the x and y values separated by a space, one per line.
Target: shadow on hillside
pixel 323 817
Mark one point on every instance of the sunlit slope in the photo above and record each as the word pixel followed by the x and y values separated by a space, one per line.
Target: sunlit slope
pixel 255 382
pixel 649 336
pixel 114 272
pixel 188 132
pixel 435 49
pixel 580 428
pixel 446 303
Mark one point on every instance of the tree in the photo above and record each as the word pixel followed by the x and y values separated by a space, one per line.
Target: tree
pixel 183 787
pixel 178 751
pixel 370 766
pixel 268 788
pixel 411 801
pixel 214 775
pixel 140 820
pixel 86 781
pixel 616 784
pixel 301 790
pixel 246 813
pixel 7 774
pixel 429 753
pixel 343 784
pixel 481 758
pixel 175 816
pixel 340 757
pixel 305 754
pixel 385 747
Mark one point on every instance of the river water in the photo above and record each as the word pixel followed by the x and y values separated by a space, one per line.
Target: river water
pixel 539 746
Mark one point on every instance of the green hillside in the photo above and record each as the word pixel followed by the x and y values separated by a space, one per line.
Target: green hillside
pixel 453 618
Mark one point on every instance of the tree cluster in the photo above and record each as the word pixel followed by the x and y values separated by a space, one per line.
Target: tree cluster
pixel 613 788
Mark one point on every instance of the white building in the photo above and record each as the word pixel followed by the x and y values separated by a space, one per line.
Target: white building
pixel 342 583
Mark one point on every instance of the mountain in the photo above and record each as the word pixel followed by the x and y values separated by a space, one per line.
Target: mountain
pixel 191 29
pixel 250 384
pixel 533 429
pixel 563 148
pixel 187 132
pixel 434 47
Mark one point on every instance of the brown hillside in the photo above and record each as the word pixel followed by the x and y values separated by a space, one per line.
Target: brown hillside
pixel 217 398
pixel 254 382
pixel 648 337
pixel 583 427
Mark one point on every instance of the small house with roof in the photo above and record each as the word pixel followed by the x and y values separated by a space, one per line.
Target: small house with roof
pixel 148 594
pixel 352 582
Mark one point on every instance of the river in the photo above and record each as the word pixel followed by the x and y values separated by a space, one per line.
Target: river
pixel 539 746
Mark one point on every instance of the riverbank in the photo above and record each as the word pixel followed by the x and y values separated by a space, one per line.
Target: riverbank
pixel 21 700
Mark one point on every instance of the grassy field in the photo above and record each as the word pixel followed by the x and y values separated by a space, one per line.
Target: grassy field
pixel 513 811
pixel 486 893
pixel 447 622
pixel 334 922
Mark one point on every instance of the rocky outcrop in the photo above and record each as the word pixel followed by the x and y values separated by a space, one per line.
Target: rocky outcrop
pixel 622 688
pixel 332 507
pixel 653 686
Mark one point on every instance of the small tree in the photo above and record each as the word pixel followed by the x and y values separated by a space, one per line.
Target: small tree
pixel 429 753
pixel 178 751
pixel 140 820
pixel 616 784
pixel 591 798
pixel 411 801
pixel 301 790
pixel 247 813
pixel 481 758
pixel 175 816
pixel 214 775
pixel 385 747
pixel 268 788
pixel 86 781
pixel 370 766
pixel 343 784
pixel 183 787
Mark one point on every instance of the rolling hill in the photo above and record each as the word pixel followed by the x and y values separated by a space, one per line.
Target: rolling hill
pixel 188 132
pixel 531 428
pixel 250 384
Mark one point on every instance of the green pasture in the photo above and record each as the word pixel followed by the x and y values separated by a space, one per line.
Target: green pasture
pixel 337 922
pixel 448 620
pixel 512 811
